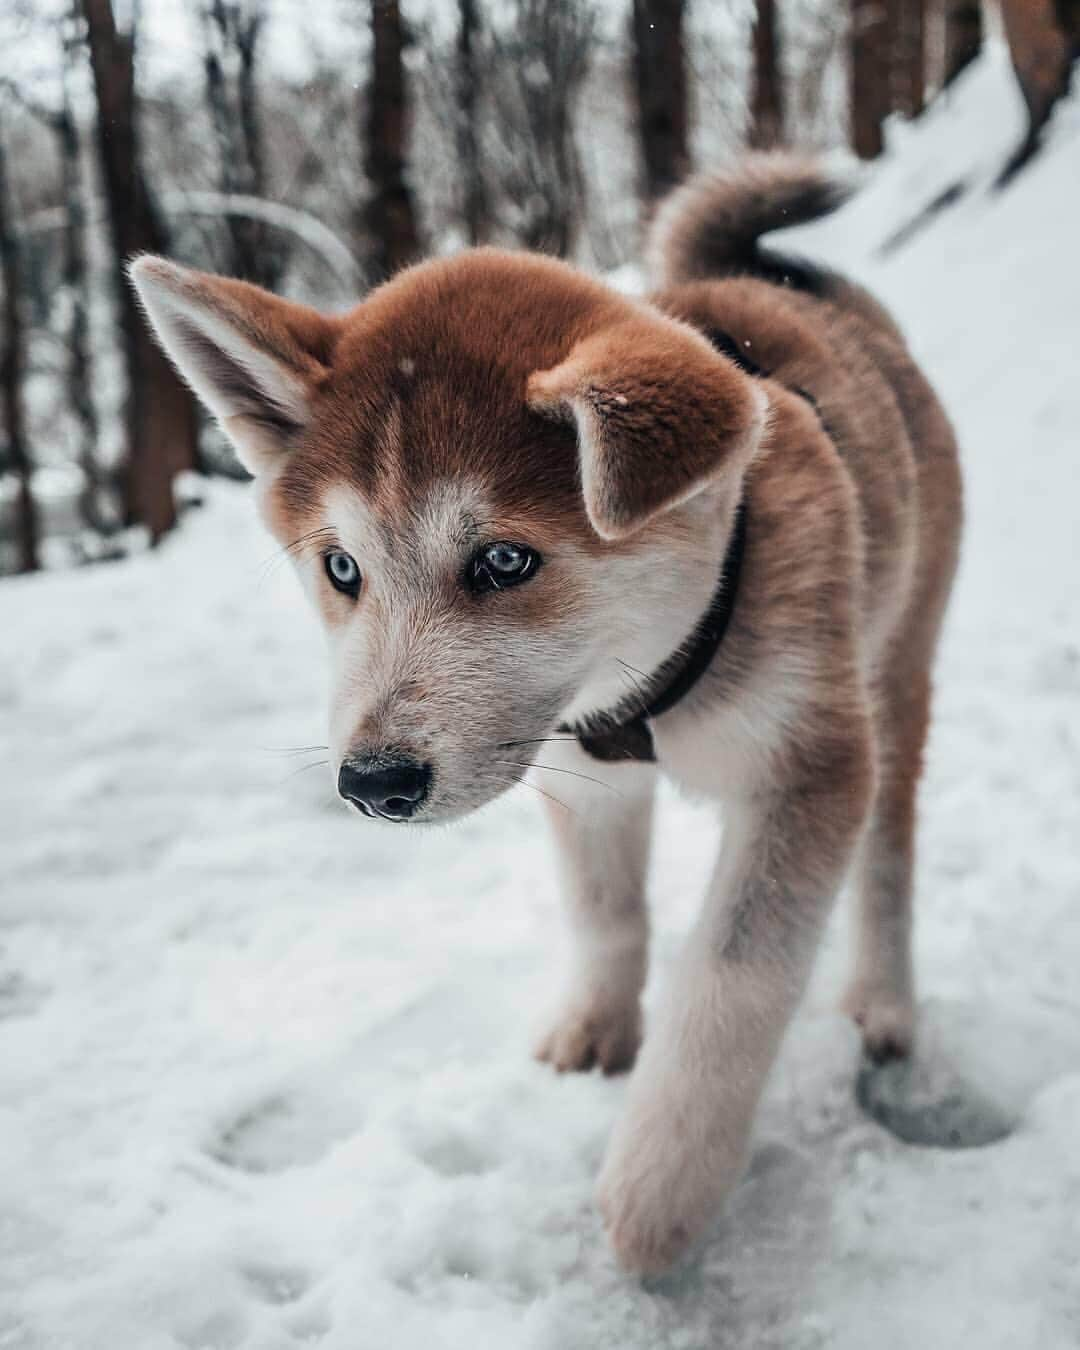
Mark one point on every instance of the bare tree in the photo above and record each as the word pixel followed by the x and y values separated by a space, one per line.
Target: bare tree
pixel 231 34
pixel 963 36
pixel 474 189
pixel 767 89
pixel 72 296
pixel 661 88
pixel 818 33
pixel 94 497
pixel 389 215
pixel 160 416
pixel 909 56
pixel 869 68
pixel 538 65
pixel 12 363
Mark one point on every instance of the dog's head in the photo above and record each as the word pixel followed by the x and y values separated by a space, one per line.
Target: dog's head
pixel 502 484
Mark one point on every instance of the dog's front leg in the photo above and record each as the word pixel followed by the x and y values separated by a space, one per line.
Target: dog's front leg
pixel 602 836
pixel 682 1141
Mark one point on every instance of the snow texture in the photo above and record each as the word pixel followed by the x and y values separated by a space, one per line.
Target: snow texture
pixel 264 1068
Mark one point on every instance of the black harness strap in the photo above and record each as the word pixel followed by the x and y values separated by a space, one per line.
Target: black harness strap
pixel 624 733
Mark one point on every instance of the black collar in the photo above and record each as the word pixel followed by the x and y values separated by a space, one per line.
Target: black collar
pixel 624 732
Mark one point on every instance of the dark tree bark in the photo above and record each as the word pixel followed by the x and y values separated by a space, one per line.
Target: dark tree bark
pixel 12 364
pixel 390 215
pixel 869 75
pixel 909 56
pixel 1041 54
pixel 160 416
pixel 476 207
pixel 1068 18
pixel 767 89
pixel 1042 44
pixel 661 91
pixel 963 36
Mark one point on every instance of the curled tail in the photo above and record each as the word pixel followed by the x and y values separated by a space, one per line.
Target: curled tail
pixel 711 225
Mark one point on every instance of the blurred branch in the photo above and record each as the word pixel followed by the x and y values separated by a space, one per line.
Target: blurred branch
pixel 301 225
pixel 14 91
pixel 311 231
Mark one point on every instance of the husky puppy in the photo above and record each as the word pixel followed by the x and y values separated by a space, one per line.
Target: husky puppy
pixel 710 534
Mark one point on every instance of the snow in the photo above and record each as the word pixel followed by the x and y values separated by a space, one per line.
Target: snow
pixel 264 1070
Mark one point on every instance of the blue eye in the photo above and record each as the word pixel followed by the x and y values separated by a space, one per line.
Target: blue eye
pixel 343 572
pixel 501 565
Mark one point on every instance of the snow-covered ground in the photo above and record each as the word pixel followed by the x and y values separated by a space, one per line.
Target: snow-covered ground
pixel 264 1069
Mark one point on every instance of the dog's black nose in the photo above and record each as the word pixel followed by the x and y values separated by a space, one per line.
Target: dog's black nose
pixel 392 790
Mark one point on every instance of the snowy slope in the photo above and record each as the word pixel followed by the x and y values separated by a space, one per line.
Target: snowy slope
pixel 264 1072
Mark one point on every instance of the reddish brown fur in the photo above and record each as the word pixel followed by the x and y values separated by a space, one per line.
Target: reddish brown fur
pixel 612 437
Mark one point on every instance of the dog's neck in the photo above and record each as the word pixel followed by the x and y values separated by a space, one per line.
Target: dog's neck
pixel 624 732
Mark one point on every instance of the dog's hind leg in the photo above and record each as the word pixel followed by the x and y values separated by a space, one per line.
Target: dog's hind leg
pixel 602 836
pixel 880 998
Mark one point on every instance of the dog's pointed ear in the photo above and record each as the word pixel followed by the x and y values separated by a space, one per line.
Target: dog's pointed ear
pixel 254 359
pixel 659 414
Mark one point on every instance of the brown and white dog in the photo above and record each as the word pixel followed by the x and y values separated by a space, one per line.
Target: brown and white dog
pixel 523 502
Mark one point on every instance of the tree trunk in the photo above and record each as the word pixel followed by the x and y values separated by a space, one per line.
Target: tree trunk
pixel 390 215
pixel 909 56
pixel 475 192
pixel 1068 18
pixel 767 91
pixel 160 415
pixel 1042 52
pixel 94 494
pixel 231 178
pixel 661 91
pixel 12 362
pixel 537 167
pixel 231 35
pixel 963 36
pixel 869 75
pixel 268 258
pixel 1041 55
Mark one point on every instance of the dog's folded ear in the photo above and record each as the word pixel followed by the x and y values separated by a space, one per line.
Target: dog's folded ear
pixel 660 415
pixel 255 360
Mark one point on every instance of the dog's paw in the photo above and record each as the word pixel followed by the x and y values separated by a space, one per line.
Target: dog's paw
pixel 672 1160
pixel 585 1037
pixel 656 1201
pixel 885 1017
pixel 646 1240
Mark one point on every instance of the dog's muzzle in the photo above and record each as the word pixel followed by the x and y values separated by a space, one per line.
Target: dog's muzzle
pixel 387 790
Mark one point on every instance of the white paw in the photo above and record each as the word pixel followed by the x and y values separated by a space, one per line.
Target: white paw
pixel 664 1181
pixel 885 1016
pixel 585 1036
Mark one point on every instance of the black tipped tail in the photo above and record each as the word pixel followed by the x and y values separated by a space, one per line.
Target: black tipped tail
pixel 711 225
